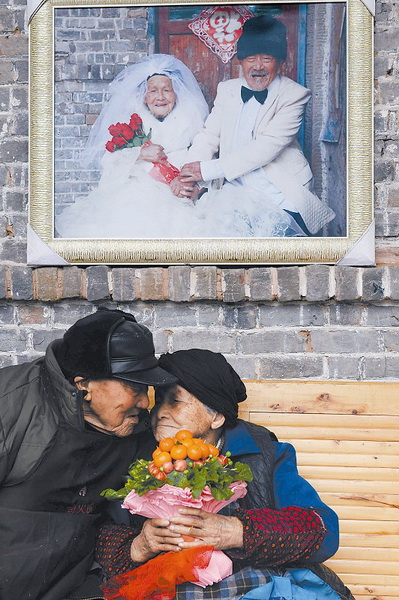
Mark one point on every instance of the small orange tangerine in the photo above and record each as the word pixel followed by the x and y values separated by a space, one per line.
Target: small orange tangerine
pixel 183 435
pixel 167 444
pixel 196 440
pixel 161 458
pixel 156 452
pixel 204 449
pixel 178 452
pixel 213 451
pixel 188 442
pixel 194 452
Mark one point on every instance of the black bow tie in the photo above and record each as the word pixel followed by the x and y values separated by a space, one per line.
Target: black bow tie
pixel 246 94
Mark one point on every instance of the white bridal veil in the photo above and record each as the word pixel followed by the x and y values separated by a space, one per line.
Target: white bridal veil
pixel 126 96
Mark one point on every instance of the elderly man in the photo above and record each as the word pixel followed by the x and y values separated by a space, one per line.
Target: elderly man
pixel 67 430
pixel 280 522
pixel 253 126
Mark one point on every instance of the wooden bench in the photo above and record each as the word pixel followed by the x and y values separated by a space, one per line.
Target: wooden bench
pixel 347 438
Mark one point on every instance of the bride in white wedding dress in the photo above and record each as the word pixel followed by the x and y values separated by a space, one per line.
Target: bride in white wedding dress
pixel 128 202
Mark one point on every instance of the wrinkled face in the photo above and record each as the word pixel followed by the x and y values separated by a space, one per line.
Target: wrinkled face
pixel 259 70
pixel 175 409
pixel 113 406
pixel 160 97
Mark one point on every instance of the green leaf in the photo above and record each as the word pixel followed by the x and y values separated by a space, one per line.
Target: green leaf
pixel 110 494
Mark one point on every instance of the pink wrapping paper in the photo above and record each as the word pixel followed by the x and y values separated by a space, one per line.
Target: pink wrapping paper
pixel 166 500
pixel 164 503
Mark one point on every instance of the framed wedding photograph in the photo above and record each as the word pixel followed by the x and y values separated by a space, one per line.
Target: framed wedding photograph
pixel 187 133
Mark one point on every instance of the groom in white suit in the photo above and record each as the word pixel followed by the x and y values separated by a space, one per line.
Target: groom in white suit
pixel 254 125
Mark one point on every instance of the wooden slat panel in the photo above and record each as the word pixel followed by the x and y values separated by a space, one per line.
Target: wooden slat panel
pixel 376 597
pixel 335 499
pixel 376 541
pixel 347 447
pixel 377 527
pixel 323 397
pixel 364 566
pixel 355 487
pixel 328 421
pixel 292 434
pixel 365 513
pixel 375 591
pixel 371 580
pixel 347 460
pixel 345 473
pixel 385 554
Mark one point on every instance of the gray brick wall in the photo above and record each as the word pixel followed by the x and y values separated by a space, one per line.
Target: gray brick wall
pixel 327 349
pixel 313 321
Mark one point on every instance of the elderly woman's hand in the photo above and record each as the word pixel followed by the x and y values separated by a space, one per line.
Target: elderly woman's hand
pixel 152 153
pixel 214 530
pixel 155 537
pixel 183 190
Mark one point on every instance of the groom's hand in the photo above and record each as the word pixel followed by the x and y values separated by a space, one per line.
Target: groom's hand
pixel 191 172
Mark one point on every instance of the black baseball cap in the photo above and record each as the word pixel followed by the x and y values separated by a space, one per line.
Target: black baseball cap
pixel 110 344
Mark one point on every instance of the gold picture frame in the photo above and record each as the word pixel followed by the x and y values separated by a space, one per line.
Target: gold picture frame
pixel 356 246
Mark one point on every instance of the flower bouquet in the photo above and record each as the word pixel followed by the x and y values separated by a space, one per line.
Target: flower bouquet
pixel 184 472
pixel 131 135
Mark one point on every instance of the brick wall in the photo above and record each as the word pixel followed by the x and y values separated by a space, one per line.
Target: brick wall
pixel 307 322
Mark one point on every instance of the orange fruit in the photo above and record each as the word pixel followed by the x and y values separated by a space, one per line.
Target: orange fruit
pixel 167 444
pixel 183 435
pixel 188 442
pixel 204 449
pixel 161 458
pixel 156 452
pixel 178 452
pixel 198 441
pixel 194 452
pixel 213 451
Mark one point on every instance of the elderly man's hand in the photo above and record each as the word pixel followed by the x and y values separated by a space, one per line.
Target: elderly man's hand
pixel 155 537
pixel 191 172
pixel 214 530
pixel 152 153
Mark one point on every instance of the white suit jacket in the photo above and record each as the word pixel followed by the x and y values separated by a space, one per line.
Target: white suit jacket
pixel 274 147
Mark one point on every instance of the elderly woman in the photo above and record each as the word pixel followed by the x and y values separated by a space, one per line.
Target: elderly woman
pixel 128 201
pixel 279 522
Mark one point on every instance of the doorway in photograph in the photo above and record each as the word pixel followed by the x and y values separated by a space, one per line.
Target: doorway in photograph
pixel 174 36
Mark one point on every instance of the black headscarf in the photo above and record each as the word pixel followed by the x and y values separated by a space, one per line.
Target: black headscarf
pixel 208 376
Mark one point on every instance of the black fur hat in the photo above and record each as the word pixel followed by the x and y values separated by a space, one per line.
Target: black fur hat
pixel 263 35
pixel 111 344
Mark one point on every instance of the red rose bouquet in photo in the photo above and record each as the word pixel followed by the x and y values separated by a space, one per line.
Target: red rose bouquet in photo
pixel 131 135
pixel 185 471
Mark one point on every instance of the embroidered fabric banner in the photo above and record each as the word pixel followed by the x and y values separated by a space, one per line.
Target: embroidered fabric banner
pixel 220 27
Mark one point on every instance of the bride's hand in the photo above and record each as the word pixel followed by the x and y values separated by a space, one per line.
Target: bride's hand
pixel 182 190
pixel 152 153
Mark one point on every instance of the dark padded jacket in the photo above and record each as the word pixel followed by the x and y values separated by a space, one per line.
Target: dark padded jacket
pixel 52 470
